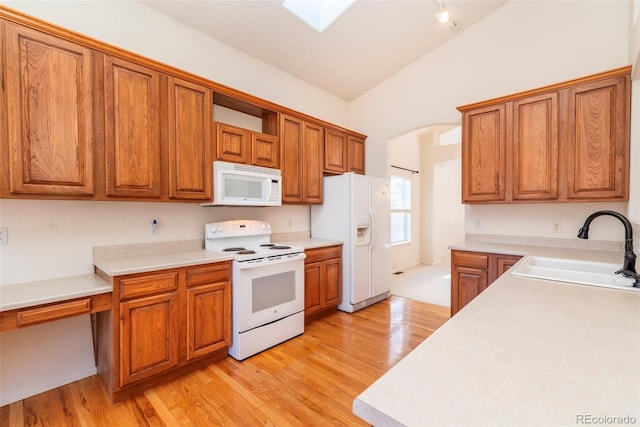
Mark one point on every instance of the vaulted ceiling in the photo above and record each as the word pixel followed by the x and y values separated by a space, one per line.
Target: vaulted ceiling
pixel 370 42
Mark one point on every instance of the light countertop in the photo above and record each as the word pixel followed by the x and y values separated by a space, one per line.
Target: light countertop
pixel 22 295
pixel 524 352
pixel 118 266
pixel 572 249
pixel 312 243
pixel 141 261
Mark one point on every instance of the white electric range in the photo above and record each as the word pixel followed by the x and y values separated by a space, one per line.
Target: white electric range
pixel 268 285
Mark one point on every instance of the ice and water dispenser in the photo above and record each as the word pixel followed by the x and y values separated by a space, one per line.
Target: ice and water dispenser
pixel 363 230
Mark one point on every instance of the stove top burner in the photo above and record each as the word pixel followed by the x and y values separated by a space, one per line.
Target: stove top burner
pixel 280 247
pixel 267 245
pixel 233 249
pixel 246 252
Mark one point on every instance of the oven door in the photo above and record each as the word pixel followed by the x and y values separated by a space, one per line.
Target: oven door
pixel 266 291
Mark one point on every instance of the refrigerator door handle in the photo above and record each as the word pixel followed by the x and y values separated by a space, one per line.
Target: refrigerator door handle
pixel 372 216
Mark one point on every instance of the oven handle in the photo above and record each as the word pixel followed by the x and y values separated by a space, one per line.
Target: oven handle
pixel 264 262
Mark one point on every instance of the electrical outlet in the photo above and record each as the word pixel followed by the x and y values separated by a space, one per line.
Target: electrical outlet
pixel 4 236
pixel 556 226
pixel 478 224
pixel 155 231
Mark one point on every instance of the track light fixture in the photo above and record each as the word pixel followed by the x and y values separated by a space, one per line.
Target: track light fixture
pixel 443 16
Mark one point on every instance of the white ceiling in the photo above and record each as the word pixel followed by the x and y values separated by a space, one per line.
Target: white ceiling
pixel 371 41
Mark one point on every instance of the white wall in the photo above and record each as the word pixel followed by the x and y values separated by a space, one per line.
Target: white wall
pixel 403 151
pixel 442 213
pixel 520 46
pixel 50 239
pixel 437 219
pixel 57 236
pixel 132 26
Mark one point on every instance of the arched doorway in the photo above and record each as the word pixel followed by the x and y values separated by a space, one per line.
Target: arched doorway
pixel 437 214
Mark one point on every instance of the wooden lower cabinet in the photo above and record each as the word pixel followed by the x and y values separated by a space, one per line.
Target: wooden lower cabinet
pixel 149 336
pixel 322 280
pixel 162 324
pixel 208 310
pixel 473 272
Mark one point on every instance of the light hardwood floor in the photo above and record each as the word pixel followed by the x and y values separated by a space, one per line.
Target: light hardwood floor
pixel 310 380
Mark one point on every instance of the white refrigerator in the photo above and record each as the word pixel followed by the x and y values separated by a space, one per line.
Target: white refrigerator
pixel 356 210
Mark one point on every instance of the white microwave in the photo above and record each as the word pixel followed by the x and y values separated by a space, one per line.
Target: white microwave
pixel 236 184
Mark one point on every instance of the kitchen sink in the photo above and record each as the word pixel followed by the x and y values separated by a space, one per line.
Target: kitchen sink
pixel 574 271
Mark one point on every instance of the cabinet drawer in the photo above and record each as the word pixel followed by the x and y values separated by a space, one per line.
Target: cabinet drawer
pixel 148 284
pixel 53 312
pixel 470 259
pixel 212 273
pixel 319 254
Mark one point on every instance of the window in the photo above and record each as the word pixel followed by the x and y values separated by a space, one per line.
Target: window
pixel 400 209
pixel 319 14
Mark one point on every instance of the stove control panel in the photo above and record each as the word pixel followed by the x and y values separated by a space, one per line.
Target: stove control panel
pixel 236 228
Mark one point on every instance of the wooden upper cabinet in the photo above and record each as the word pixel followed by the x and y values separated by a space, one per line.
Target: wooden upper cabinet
pixel 238 145
pixel 565 142
pixel 49 86
pixel 265 150
pixel 190 166
pixel 335 151
pixel 233 144
pixel 355 156
pixel 301 148
pixel 484 154
pixel 598 140
pixel 312 155
pixel 82 119
pixel 132 129
pixel 291 136
pixel 535 148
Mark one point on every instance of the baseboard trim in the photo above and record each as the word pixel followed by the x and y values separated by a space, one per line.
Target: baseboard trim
pixel 41 388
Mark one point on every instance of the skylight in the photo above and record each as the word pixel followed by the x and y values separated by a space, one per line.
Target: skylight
pixel 319 14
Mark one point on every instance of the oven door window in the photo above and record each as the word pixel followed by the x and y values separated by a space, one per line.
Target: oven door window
pixel 273 291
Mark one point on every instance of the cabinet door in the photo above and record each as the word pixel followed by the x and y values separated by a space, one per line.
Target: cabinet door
pixel 190 147
pixel 335 151
pixel 598 140
pixel 208 319
pixel 233 144
pixel 535 148
pixel 265 150
pixel 332 282
pixel 356 154
pixel 469 277
pixel 49 114
pixel 466 284
pixel 505 262
pixel 291 138
pixel 132 129
pixel 312 288
pixel 149 337
pixel 484 154
pixel 312 154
